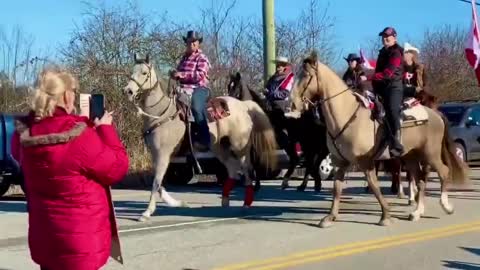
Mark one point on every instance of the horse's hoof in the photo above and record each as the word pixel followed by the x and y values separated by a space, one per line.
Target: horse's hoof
pixel 184 204
pixel 402 196
pixel 385 222
pixel 143 218
pixel 256 188
pixel 411 202
pixel 225 202
pixel 447 208
pixel 284 186
pixel 326 222
pixel 301 188
pixel 246 207
pixel 414 217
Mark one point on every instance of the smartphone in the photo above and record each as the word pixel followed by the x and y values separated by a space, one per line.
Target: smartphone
pixel 97 106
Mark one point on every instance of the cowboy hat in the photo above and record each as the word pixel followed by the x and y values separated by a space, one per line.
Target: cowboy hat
pixel 408 48
pixel 353 56
pixel 282 59
pixel 193 35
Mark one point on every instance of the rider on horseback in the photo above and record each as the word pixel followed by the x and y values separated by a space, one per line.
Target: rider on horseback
pixel 277 92
pixel 354 76
pixel 414 76
pixel 387 82
pixel 192 74
pixel 280 84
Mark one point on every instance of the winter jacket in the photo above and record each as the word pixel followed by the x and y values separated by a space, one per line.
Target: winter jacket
pixel 68 166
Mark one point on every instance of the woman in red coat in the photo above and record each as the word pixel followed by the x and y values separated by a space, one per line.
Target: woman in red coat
pixel 68 163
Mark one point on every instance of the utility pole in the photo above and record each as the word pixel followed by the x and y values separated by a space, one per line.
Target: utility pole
pixel 268 39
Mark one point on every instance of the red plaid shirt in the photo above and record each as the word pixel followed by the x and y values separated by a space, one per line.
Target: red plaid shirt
pixel 193 71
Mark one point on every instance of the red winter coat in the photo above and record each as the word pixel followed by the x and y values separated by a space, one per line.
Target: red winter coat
pixel 68 167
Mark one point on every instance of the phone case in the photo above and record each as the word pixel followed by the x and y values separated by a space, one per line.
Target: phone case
pixel 85 105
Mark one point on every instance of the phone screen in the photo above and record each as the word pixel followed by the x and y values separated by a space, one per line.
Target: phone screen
pixel 97 106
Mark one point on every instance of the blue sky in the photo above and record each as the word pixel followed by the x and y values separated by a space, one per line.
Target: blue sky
pixel 51 21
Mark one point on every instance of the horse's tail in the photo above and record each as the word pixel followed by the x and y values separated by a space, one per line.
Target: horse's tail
pixel 459 170
pixel 263 136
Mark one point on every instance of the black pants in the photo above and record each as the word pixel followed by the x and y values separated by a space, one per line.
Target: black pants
pixel 409 91
pixel 392 101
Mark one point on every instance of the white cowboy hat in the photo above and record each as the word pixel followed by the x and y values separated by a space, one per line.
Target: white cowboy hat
pixel 282 59
pixel 408 47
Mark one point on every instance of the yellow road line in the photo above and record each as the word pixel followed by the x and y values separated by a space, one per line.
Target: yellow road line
pixel 351 246
pixel 366 248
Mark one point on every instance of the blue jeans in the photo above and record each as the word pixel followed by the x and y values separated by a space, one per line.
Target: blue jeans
pixel 199 111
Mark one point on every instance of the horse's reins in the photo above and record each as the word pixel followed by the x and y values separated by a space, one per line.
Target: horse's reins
pixel 323 101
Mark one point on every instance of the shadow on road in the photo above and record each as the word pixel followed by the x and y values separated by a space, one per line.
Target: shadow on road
pixel 461 265
pixel 464 265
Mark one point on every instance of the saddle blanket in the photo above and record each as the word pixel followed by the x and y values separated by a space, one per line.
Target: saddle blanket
pixel 217 108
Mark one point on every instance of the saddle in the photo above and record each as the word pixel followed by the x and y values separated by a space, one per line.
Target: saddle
pixel 217 108
pixel 412 112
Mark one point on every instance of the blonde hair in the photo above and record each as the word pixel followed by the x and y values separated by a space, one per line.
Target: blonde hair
pixel 50 86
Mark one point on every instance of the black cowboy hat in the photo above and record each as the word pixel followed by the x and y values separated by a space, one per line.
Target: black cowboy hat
pixel 353 56
pixel 388 31
pixel 193 35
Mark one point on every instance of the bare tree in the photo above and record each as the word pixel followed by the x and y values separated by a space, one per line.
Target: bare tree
pixel 20 62
pixel 449 75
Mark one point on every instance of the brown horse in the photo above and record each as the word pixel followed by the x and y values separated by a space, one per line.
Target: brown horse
pixel 355 138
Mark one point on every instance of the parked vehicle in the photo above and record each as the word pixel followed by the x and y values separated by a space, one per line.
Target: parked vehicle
pixel 464 122
pixel 10 172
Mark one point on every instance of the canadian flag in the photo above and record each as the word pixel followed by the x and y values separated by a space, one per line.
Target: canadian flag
pixel 472 46
pixel 368 64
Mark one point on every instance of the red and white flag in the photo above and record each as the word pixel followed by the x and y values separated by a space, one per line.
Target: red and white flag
pixel 472 46
pixel 368 64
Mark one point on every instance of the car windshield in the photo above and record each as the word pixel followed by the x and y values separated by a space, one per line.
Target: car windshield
pixel 454 114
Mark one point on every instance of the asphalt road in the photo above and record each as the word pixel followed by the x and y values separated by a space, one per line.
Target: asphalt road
pixel 279 232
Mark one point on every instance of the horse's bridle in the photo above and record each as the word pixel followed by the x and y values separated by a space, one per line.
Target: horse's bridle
pixel 142 91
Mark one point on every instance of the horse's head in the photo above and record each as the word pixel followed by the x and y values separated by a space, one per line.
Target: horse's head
pixel 234 86
pixel 314 82
pixel 305 89
pixel 143 78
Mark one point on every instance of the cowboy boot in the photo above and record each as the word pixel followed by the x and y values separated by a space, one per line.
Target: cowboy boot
pixel 396 147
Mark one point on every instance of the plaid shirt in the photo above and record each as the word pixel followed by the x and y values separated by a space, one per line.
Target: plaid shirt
pixel 193 71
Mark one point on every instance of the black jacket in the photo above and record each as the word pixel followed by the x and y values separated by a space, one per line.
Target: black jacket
pixel 389 69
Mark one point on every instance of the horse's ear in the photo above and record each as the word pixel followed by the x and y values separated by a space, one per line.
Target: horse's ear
pixel 238 76
pixel 135 57
pixel 314 56
pixel 147 58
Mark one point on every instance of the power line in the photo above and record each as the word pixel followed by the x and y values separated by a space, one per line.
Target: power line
pixel 478 4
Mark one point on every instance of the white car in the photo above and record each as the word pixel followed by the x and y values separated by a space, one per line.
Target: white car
pixel 326 168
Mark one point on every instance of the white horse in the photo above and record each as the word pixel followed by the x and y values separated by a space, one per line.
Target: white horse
pixel 232 137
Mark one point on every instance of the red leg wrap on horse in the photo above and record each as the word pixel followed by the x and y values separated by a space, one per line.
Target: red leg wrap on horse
pixel 227 187
pixel 249 192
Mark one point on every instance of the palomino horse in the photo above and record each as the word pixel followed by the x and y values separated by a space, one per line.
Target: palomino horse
pixel 313 140
pixel 232 136
pixel 394 166
pixel 355 138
